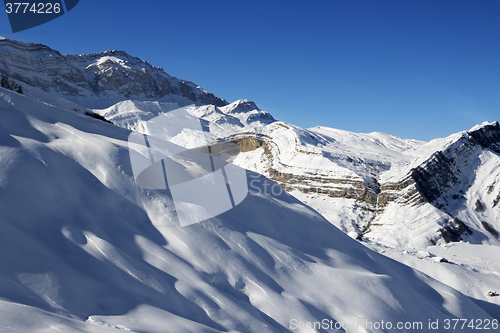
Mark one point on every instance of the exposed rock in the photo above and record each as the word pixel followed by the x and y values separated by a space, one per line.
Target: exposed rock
pixel 250 143
pixel 406 191
pixel 110 74
pixel 434 180
pixel 490 229
pixel 441 172
pixel 488 136
pixel 346 187
pixel 454 231
pixel 479 206
pixel 496 200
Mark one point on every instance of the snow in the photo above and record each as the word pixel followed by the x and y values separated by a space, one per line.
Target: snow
pixel 482 125
pixel 331 152
pixel 472 269
pixel 82 248
pixel 420 225
pixel 118 61
pixel 133 115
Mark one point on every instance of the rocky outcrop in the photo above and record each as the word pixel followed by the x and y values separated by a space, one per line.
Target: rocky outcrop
pixel 487 136
pixel 442 171
pixel 102 75
pixel 490 229
pixel 345 187
pixel 433 178
pixel 405 191
pixel 454 231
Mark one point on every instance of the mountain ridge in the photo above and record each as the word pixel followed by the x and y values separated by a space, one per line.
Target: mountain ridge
pixel 95 80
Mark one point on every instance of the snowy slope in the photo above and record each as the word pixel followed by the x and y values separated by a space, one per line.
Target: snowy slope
pixel 402 193
pixel 362 183
pixel 457 197
pixel 84 249
pixel 472 269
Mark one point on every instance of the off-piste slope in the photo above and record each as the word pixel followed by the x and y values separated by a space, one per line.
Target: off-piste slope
pixel 334 171
pixel 82 248
pixel 402 196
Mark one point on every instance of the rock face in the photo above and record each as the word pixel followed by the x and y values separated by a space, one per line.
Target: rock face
pixel 405 192
pixel 457 181
pixel 444 169
pixel 433 181
pixel 351 187
pixel 324 167
pixel 108 76
pixel 336 175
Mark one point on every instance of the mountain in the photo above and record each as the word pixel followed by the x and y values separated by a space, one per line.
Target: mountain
pixel 364 183
pixel 84 249
pixel 96 80
pixel 456 179
pixel 234 117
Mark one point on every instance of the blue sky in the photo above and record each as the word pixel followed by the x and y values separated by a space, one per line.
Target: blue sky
pixel 417 69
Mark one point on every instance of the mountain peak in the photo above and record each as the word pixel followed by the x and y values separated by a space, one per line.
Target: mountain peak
pixel 487 135
pixel 248 112
pixel 483 125
pixel 241 105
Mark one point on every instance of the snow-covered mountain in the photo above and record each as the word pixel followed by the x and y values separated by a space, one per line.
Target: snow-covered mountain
pixel 234 117
pixel 455 181
pixel 83 248
pixel 96 80
pixel 375 185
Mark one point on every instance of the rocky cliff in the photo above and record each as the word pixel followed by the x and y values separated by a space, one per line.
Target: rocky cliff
pixel 94 80
pixel 427 181
pixel 377 177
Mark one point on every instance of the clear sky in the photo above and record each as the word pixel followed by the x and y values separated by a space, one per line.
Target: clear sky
pixel 418 69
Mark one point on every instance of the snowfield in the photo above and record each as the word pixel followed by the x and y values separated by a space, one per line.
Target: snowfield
pixel 83 249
